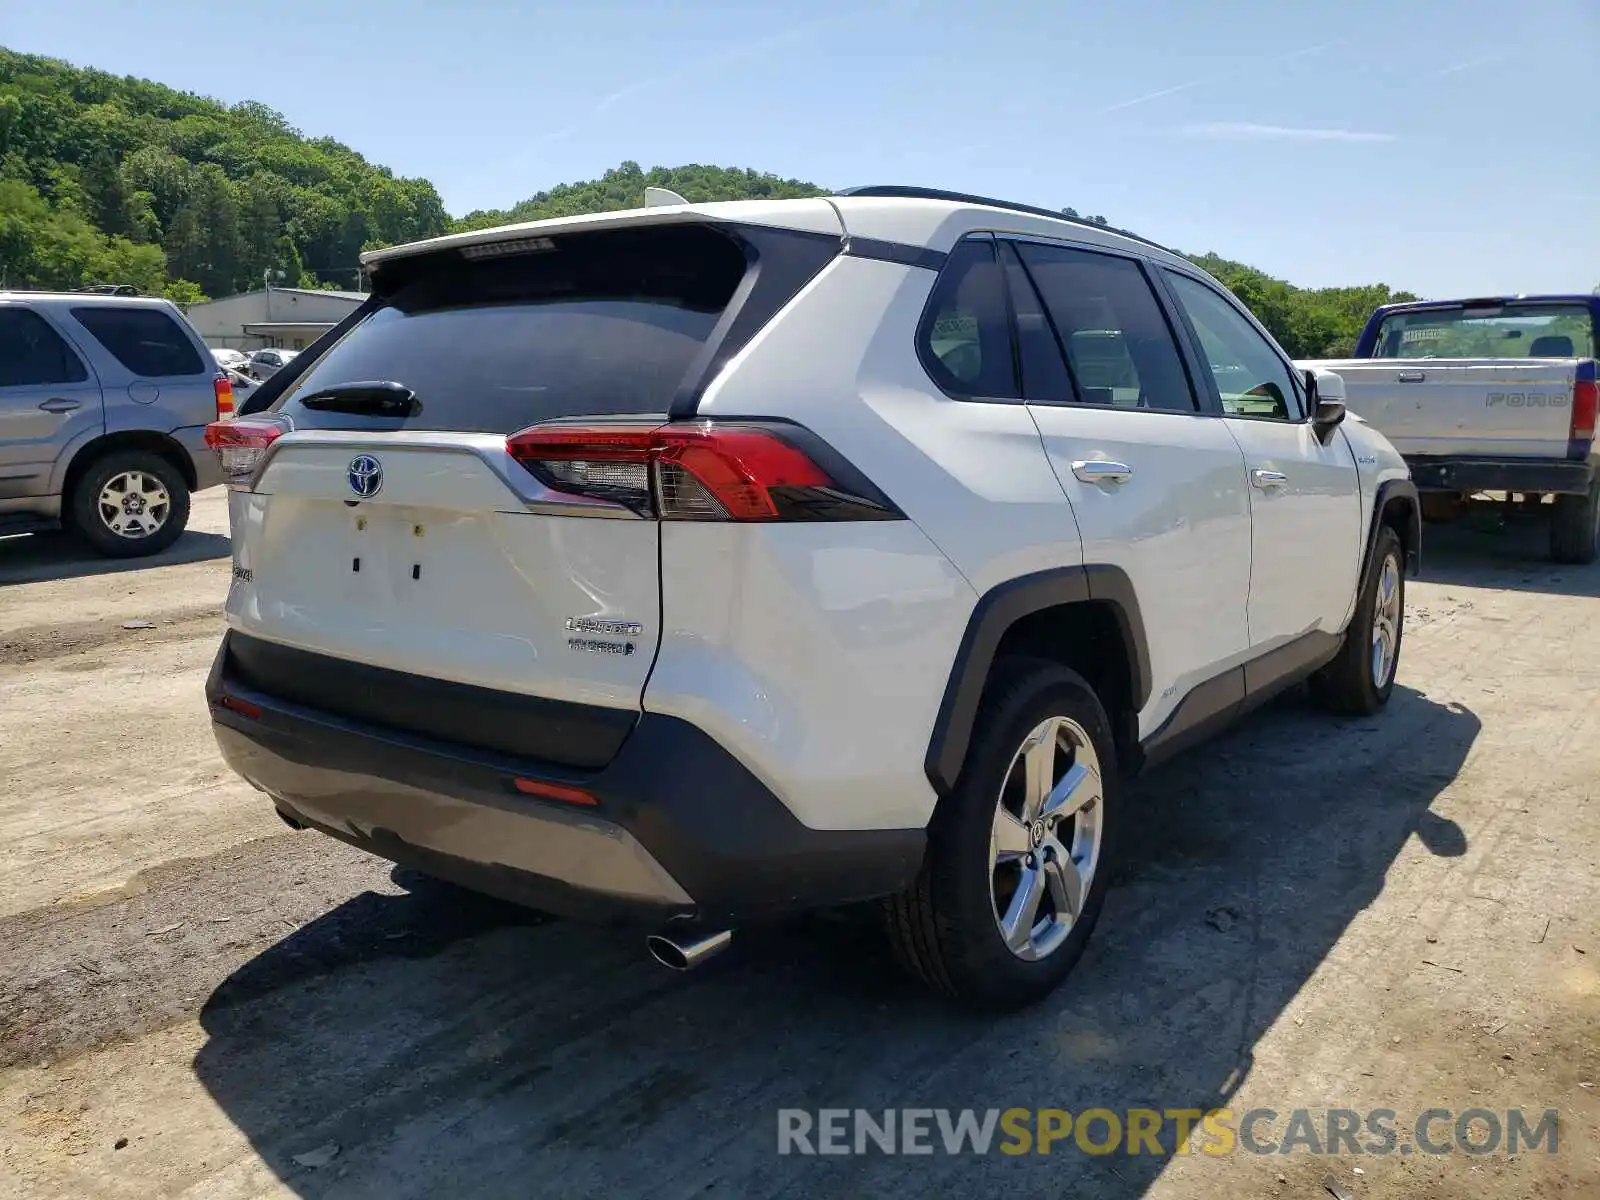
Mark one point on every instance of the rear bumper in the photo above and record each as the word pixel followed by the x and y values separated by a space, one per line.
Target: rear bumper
pixel 207 470
pixel 1500 475
pixel 681 827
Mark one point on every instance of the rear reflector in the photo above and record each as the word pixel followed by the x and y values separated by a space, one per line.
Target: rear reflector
pixel 554 791
pixel 705 471
pixel 223 387
pixel 241 445
pixel 243 707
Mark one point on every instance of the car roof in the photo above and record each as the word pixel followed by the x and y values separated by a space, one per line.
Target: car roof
pixel 1588 299
pixel 915 216
pixel 98 299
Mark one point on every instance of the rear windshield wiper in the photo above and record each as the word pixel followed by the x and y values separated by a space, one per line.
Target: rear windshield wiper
pixel 373 397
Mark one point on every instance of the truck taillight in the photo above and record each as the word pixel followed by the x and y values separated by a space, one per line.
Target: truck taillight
pixel 704 471
pixel 1585 408
pixel 241 444
pixel 223 387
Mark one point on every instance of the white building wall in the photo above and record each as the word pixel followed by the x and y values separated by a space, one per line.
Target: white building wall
pixel 222 322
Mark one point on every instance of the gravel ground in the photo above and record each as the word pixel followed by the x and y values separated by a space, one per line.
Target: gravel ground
pixel 1390 913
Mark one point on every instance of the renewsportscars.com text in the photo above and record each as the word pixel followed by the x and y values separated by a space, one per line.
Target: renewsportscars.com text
pixel 1378 1131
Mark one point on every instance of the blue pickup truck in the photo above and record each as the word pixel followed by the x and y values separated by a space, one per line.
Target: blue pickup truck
pixel 1495 394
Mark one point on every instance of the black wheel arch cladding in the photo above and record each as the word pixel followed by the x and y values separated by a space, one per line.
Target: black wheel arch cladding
pixel 996 612
pixel 1396 504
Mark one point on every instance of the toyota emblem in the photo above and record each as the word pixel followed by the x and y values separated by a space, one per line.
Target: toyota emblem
pixel 365 475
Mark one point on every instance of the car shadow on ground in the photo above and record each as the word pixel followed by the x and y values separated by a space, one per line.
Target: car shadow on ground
pixel 435 1043
pixel 46 557
pixel 1496 548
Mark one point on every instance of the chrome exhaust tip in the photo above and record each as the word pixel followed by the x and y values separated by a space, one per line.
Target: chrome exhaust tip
pixel 686 953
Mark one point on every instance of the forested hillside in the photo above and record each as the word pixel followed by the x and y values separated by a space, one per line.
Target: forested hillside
pixel 107 179
pixel 1308 322
pixel 623 187
pixel 120 180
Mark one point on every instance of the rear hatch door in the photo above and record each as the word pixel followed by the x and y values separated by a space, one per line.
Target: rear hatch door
pixel 391 528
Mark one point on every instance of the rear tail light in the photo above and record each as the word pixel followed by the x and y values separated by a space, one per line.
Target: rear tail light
pixel 223 387
pixel 706 471
pixel 1585 406
pixel 241 444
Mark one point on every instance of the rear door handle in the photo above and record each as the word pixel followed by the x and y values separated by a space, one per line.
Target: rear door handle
pixel 57 404
pixel 1098 470
pixel 1412 376
pixel 1267 480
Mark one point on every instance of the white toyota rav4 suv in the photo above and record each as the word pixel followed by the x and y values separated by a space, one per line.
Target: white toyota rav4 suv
pixel 713 562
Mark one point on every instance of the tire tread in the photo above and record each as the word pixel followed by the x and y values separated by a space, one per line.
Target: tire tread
pixel 1573 540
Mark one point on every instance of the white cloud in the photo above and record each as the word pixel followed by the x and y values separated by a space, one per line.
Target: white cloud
pixel 1171 91
pixel 1250 131
pixel 1482 61
pixel 1184 87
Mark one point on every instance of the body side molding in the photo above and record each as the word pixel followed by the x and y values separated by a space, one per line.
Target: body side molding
pixel 1216 702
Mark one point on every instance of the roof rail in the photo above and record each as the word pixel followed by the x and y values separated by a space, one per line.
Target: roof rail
pixel 109 289
pixel 903 192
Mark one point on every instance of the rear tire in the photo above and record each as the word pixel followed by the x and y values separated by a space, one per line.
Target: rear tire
pixel 1575 527
pixel 1360 680
pixel 130 503
pixel 992 848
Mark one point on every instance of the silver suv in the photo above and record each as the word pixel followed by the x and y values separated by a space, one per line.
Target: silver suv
pixel 264 364
pixel 104 402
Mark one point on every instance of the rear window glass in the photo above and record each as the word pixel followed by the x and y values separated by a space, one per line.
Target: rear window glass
pixel 599 324
pixel 1499 331
pixel 145 340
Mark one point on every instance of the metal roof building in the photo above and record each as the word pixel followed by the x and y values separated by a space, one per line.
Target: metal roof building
pixel 290 318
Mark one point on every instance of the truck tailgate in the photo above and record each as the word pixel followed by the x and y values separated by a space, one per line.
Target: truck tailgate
pixel 1463 407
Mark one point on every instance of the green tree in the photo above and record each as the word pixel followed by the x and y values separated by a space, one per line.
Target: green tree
pixel 226 193
pixel 183 293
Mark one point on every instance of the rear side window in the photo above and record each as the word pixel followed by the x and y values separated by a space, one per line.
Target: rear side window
pixel 599 324
pixel 33 354
pixel 965 339
pixel 145 340
pixel 1119 347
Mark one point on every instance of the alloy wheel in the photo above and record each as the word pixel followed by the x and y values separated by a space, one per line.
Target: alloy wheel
pixel 134 505
pixel 1045 841
pixel 1386 619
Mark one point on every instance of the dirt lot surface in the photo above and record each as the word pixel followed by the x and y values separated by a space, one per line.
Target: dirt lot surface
pixel 1394 913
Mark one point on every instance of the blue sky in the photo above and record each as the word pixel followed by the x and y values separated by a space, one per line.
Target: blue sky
pixel 1447 146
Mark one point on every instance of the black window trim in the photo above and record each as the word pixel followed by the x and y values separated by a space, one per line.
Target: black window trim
pixel 1203 399
pixel 85 364
pixel 1016 328
pixel 1197 350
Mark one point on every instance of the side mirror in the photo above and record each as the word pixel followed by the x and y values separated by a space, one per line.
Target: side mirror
pixel 1325 396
